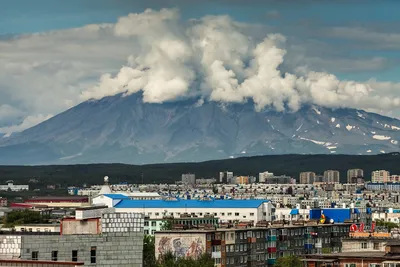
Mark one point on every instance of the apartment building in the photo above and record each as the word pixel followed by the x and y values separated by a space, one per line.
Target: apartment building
pixel 258 246
pixel 353 175
pixel 307 177
pixel 380 176
pixel 331 176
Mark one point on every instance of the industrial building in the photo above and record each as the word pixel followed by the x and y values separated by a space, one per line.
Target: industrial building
pixel 227 210
pixel 95 237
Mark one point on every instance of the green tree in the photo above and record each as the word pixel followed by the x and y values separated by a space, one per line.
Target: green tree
pixel 18 217
pixel 169 260
pixel 149 258
pixel 167 225
pixel 288 261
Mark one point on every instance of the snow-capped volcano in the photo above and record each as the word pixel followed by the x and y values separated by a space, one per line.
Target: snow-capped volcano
pixel 124 129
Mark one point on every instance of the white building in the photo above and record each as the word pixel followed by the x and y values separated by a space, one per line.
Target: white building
pixel 262 176
pixel 189 178
pixel 380 176
pixel 11 186
pixel 226 210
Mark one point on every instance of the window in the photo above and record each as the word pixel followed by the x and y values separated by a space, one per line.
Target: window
pixel 229 213
pixel 157 213
pixel 364 245
pixel 54 255
pixel 350 265
pixel 146 223
pixel 153 223
pixel 222 213
pixel 93 255
pixel 146 232
pixel 236 213
pixel 35 255
pixel 74 255
pixel 251 214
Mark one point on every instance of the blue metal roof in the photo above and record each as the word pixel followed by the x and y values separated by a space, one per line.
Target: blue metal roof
pixel 294 212
pixel 252 203
pixel 116 196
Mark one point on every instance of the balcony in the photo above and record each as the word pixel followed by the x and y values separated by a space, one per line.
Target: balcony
pixel 271 261
pixel 271 249
pixel 216 255
pixel 271 238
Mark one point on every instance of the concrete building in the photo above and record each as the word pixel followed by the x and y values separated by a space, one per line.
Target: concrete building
pixel 390 257
pixel 38 228
pixel 60 202
pixel 36 263
pixel 353 175
pixel 184 222
pixel 225 177
pixel 262 176
pixel 243 246
pixel 281 179
pixel 114 239
pixel 189 178
pixel 380 176
pixel 307 177
pixel 206 181
pixel 226 210
pixel 242 179
pixel 331 176
pixel 13 187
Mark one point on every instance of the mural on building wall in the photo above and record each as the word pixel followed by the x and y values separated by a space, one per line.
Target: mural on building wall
pixel 181 246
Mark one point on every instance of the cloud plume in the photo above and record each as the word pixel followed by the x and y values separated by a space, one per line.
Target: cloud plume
pixel 213 57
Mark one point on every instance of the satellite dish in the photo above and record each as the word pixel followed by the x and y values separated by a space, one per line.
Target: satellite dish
pixel 331 221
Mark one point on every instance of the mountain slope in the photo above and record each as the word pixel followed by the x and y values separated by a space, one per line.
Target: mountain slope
pixel 123 129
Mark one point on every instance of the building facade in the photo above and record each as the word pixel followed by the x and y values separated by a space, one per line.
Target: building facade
pixel 307 177
pixel 189 178
pixel 244 247
pixel 116 240
pixel 227 210
pixel 380 176
pixel 353 175
pixel 331 176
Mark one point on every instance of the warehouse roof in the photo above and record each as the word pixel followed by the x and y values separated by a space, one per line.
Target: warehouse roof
pixel 116 196
pixel 253 203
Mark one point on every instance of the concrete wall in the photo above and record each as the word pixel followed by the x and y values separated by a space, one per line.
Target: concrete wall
pixel 180 244
pixel 73 227
pixel 10 246
pixel 112 249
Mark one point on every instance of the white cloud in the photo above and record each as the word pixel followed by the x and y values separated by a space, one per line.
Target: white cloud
pixel 28 122
pixel 165 58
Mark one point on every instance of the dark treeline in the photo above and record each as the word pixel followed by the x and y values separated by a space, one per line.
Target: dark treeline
pixel 161 173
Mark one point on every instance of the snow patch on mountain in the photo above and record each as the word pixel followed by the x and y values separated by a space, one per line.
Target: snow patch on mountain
pixel 394 142
pixel 316 110
pixel 333 119
pixel 349 127
pixel 314 141
pixel 338 125
pixel 381 137
pixel 395 127
pixel 360 115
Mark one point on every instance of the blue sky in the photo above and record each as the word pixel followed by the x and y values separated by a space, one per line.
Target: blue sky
pixel 353 39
